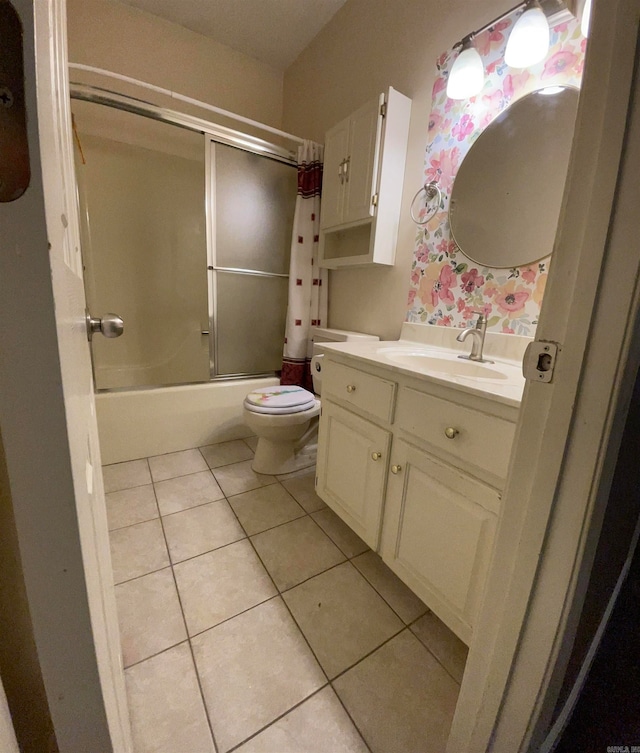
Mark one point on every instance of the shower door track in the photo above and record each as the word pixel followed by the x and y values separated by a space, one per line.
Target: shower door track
pixel 222 134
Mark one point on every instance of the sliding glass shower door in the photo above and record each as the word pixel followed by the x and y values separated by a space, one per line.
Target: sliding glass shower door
pixel 188 240
pixel 252 201
pixel 141 189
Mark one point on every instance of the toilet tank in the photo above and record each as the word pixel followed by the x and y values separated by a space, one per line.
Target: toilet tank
pixel 325 335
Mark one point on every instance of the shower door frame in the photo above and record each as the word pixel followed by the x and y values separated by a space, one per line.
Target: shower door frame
pixel 212 133
pixel 213 268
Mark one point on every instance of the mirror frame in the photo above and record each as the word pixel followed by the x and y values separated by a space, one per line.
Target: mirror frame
pixel 491 130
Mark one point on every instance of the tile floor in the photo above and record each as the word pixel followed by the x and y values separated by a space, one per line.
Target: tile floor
pixel 253 619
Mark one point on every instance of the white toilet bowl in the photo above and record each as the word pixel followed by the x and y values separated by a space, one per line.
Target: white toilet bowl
pixel 285 420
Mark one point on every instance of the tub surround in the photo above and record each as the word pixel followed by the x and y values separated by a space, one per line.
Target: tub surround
pixel 445 285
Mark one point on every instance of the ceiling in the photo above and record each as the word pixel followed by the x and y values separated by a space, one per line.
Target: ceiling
pixel 272 31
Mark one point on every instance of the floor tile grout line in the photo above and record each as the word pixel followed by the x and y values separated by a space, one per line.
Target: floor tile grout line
pixel 295 622
pixel 368 654
pixel 193 507
pixel 186 630
pixel 154 655
pixel 233 616
pixel 278 718
pixel 435 656
pixel 138 577
pixel 182 475
pixel 311 577
pixel 353 721
pixel 278 525
pixel 368 549
pixel 126 488
pixel 202 697
pixel 382 596
pixel 130 525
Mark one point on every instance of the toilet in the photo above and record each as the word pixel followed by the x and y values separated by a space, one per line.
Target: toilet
pixel 285 418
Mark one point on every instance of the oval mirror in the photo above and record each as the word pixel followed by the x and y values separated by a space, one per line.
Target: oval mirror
pixel 506 196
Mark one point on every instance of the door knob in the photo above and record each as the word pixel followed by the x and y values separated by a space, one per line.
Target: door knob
pixel 376 455
pixel 396 469
pixel 110 325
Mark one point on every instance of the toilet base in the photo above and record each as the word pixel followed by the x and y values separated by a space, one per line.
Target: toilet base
pixel 274 458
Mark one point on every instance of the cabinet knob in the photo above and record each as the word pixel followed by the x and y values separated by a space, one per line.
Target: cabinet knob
pixel 376 455
pixel 396 469
pixel 451 433
pixel 351 388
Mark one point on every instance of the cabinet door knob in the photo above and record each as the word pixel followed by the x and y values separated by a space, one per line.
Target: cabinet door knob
pixel 351 388
pixel 451 433
pixel 376 455
pixel 396 469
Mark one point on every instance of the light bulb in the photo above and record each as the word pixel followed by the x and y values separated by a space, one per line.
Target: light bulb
pixel 466 78
pixel 585 18
pixel 529 39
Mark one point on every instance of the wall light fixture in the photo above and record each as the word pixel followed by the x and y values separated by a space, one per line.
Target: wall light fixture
pixel 528 42
pixel 527 45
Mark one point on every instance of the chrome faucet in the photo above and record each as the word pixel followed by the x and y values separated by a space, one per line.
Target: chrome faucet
pixel 477 332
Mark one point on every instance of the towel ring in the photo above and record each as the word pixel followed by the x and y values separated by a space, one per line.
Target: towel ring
pixel 431 191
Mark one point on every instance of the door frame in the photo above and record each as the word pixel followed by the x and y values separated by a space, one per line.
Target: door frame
pixel 52 487
pixel 569 430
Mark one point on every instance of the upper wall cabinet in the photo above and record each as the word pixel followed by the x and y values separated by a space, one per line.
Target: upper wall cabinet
pixel 364 164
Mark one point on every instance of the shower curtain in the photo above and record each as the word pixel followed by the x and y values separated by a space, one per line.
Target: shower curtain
pixel 307 305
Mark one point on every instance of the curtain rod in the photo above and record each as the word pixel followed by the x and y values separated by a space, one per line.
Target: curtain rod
pixel 188 100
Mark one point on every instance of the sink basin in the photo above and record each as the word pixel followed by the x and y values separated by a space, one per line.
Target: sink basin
pixel 429 363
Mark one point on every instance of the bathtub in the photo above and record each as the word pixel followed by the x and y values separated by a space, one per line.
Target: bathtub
pixel 143 422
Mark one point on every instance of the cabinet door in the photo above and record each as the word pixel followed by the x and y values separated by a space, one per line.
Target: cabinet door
pixel 352 461
pixel 437 535
pixel 333 176
pixel 362 169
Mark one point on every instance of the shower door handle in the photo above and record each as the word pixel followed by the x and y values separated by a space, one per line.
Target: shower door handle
pixel 109 325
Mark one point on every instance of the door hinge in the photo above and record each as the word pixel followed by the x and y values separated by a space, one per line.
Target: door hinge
pixel 539 361
pixel 374 200
pixel 383 109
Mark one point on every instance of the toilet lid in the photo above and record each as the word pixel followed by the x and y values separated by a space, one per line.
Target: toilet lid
pixel 280 399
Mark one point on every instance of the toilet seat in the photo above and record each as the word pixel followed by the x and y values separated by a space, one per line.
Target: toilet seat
pixel 282 399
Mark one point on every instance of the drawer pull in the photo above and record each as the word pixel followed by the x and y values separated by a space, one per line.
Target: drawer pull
pixel 451 433
pixel 376 455
pixel 396 469
pixel 351 388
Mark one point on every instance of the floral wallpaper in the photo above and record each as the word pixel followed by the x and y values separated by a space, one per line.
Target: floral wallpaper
pixel 446 287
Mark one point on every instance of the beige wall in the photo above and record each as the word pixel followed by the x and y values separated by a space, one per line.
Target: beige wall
pixel 368 46
pixel 110 35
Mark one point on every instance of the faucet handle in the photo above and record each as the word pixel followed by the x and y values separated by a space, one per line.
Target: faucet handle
pixel 481 320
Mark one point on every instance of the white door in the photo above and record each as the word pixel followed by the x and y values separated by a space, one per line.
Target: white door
pixel 336 148
pixel 365 137
pixel 566 440
pixel 47 415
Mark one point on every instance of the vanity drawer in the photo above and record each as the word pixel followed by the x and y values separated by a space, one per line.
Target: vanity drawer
pixel 479 439
pixel 366 392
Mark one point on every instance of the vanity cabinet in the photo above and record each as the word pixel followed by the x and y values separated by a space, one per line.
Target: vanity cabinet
pixel 439 526
pixel 352 463
pixel 416 469
pixel 363 174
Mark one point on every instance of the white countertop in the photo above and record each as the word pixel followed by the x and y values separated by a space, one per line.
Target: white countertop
pixel 432 353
